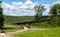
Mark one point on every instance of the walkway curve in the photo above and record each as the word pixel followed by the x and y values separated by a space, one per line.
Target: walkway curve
pixel 26 29
pixel 9 34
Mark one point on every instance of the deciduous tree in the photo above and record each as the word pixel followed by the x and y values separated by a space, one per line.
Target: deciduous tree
pixel 38 10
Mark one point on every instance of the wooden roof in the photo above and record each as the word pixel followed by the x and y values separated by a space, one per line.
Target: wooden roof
pixel 30 21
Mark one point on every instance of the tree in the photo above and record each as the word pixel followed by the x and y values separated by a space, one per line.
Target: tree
pixel 1 17
pixel 38 10
pixel 55 10
pixel 55 15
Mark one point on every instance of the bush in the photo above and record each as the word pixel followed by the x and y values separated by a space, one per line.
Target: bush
pixel 55 21
pixel 41 24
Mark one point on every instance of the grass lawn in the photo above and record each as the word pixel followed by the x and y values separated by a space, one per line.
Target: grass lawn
pixel 53 32
pixel 11 28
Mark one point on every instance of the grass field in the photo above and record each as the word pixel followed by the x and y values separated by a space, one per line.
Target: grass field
pixel 12 28
pixel 53 32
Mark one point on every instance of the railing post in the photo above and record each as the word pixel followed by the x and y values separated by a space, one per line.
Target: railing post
pixel 27 25
pixel 22 26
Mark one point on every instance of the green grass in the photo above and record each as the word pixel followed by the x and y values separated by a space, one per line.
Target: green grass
pixel 12 28
pixel 54 32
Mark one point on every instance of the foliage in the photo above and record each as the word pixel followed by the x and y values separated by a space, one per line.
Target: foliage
pixel 40 25
pixel 1 21
pixel 55 15
pixel 9 19
pixel 38 10
pixel 1 18
pixel 55 21
pixel 55 10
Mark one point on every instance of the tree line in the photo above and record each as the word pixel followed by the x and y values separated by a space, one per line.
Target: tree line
pixel 54 14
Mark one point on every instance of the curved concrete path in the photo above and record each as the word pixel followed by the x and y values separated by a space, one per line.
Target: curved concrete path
pixel 16 32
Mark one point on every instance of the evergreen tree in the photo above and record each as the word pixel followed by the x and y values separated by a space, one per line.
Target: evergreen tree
pixel 1 17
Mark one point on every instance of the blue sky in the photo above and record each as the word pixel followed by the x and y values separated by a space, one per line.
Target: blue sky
pixel 25 7
pixel 39 1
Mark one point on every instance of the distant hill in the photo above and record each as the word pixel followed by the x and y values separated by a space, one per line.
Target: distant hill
pixel 9 19
pixel 17 18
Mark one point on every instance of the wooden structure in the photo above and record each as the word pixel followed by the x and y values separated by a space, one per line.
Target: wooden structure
pixel 30 21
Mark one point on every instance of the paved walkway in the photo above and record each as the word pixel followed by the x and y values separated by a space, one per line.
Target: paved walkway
pixel 26 29
pixel 16 32
pixel 4 35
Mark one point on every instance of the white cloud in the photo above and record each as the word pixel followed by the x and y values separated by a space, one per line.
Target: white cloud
pixel 18 8
pixel 28 2
pixel 47 7
pixel 57 2
pixel 22 9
